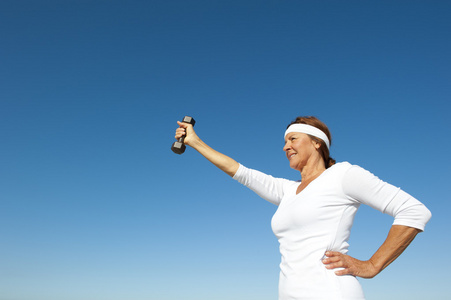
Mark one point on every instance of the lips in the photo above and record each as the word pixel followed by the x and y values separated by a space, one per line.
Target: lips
pixel 290 155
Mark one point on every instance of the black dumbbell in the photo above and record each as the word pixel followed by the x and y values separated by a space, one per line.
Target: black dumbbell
pixel 179 147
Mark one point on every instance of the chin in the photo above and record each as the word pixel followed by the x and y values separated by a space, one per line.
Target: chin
pixel 294 167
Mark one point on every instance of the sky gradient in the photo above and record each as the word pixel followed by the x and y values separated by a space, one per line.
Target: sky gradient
pixel 95 206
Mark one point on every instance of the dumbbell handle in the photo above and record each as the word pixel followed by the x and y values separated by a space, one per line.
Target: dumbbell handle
pixel 179 146
pixel 182 139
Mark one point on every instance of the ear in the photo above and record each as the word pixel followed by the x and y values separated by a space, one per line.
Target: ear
pixel 316 144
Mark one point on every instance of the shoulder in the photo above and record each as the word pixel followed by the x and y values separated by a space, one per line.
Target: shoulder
pixel 340 168
pixel 343 167
pixel 245 174
pixel 347 172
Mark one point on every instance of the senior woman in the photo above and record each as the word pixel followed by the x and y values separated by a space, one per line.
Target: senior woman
pixel 315 215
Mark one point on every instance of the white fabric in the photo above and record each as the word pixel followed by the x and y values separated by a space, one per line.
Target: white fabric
pixel 320 218
pixel 308 129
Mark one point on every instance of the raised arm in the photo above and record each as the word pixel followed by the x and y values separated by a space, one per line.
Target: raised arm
pixel 223 162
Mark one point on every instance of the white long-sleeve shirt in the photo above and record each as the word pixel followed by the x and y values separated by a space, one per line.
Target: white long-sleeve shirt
pixel 320 218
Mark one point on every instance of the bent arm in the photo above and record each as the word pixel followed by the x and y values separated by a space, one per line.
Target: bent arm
pixel 399 237
pixel 364 187
pixel 410 216
pixel 223 162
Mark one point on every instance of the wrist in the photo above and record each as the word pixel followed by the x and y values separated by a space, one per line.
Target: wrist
pixel 195 142
pixel 375 267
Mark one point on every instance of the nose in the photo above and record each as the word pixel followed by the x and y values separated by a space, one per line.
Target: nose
pixel 286 146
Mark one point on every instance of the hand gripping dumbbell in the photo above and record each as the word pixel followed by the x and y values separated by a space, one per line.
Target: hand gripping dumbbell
pixel 179 147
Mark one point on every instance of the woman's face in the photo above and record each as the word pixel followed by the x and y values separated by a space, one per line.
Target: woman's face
pixel 298 148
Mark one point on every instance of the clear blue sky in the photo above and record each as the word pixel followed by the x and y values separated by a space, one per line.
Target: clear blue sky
pixel 95 206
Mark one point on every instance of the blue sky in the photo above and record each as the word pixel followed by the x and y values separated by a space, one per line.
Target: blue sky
pixel 94 205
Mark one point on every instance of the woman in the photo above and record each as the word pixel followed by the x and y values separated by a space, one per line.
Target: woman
pixel 315 215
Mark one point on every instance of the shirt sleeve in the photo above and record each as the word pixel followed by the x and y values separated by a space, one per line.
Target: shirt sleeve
pixel 364 187
pixel 269 188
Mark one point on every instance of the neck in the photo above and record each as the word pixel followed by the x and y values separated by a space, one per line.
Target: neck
pixel 313 169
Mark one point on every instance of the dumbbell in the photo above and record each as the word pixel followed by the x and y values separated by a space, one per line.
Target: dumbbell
pixel 179 147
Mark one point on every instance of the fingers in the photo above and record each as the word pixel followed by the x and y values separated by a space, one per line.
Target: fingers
pixel 181 131
pixel 334 260
pixel 348 265
pixel 346 271
pixel 186 130
pixel 182 124
pixel 333 253
pixel 332 257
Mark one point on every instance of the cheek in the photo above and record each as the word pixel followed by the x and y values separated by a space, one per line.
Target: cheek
pixel 302 145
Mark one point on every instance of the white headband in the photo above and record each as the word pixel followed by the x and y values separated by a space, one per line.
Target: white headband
pixel 308 129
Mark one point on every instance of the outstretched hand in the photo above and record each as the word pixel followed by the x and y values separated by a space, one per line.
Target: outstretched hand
pixel 187 130
pixel 350 265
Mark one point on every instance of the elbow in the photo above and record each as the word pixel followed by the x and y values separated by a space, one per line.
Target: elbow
pixel 416 217
pixel 426 214
pixel 232 169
